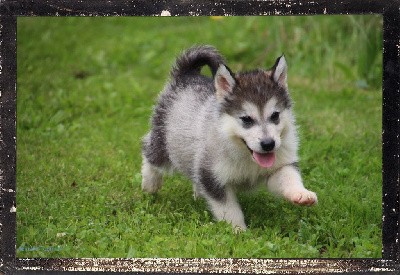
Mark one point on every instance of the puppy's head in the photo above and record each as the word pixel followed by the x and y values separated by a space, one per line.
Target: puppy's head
pixel 255 109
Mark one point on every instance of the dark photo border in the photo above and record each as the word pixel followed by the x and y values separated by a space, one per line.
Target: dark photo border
pixel 390 9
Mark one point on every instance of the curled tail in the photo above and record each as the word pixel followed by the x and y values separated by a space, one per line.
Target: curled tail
pixel 191 61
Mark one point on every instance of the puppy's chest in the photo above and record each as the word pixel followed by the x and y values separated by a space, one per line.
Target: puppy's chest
pixel 240 174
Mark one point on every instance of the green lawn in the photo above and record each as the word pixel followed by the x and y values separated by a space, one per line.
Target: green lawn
pixel 86 87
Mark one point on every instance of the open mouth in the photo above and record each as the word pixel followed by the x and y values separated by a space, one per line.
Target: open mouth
pixel 264 160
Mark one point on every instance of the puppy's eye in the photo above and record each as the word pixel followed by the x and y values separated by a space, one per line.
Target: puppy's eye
pixel 275 117
pixel 247 120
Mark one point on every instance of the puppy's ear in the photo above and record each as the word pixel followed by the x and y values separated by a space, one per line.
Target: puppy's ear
pixel 279 72
pixel 223 81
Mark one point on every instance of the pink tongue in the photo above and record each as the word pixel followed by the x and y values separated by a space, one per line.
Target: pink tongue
pixel 264 160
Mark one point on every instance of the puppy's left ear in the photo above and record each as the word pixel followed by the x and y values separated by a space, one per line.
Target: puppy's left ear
pixel 279 72
pixel 223 81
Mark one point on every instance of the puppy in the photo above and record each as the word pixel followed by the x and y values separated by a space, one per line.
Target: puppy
pixel 233 131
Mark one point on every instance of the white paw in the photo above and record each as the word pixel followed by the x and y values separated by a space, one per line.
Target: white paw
pixel 237 222
pixel 237 229
pixel 302 197
pixel 151 178
pixel 151 185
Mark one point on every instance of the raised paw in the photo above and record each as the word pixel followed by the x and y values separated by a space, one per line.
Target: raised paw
pixel 303 197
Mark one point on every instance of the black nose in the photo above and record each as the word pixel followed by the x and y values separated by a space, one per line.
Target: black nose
pixel 267 144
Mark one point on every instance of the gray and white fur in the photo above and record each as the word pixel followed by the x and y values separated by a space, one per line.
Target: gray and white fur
pixel 230 132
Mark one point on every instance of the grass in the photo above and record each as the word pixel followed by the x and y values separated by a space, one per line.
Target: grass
pixel 86 87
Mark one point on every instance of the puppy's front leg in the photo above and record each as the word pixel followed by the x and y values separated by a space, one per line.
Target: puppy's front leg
pixel 222 201
pixel 228 210
pixel 287 182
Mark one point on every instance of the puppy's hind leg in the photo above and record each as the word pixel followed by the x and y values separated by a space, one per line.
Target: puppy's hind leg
pixel 151 177
pixel 155 160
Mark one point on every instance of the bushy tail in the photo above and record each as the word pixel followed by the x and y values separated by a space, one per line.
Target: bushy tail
pixel 191 61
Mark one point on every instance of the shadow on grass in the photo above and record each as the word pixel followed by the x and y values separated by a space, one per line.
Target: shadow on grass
pixel 261 210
